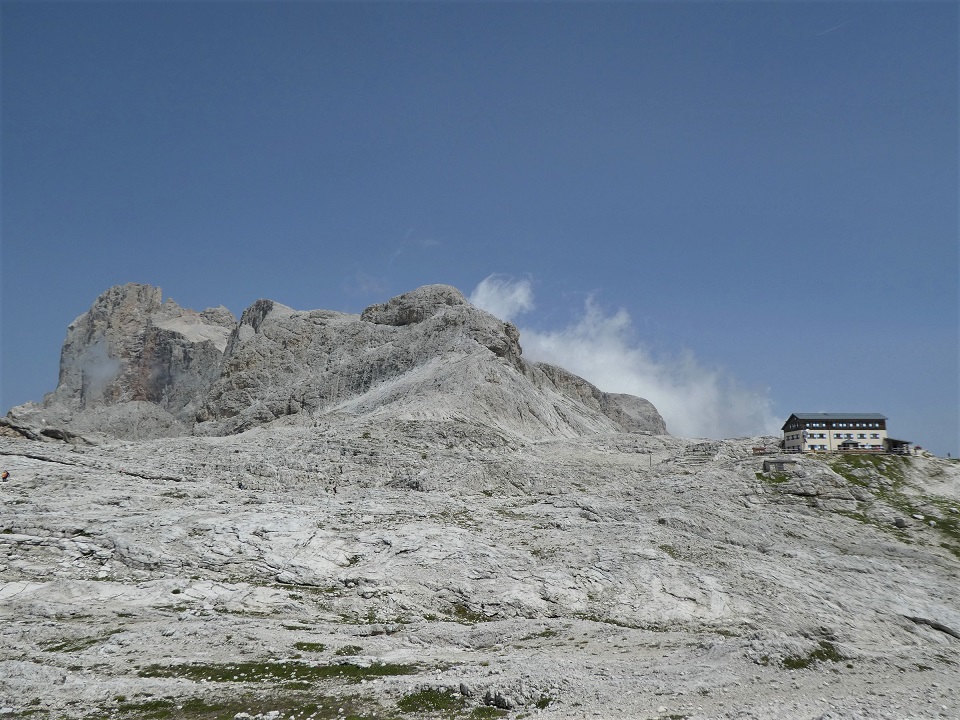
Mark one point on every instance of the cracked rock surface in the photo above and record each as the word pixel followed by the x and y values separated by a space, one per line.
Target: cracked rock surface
pixel 622 575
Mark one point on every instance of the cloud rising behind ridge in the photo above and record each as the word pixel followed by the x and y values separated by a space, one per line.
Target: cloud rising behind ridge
pixel 502 296
pixel 695 401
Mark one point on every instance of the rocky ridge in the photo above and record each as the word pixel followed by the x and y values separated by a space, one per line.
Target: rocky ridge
pixel 134 367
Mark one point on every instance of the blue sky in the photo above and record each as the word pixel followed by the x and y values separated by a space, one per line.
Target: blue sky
pixel 754 204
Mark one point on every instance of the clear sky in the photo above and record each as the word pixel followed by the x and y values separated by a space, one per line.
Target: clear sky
pixel 739 210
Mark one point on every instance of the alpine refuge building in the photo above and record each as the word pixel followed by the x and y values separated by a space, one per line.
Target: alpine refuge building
pixel 838 432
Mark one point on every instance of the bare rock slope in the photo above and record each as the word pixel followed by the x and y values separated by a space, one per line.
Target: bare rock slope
pixel 135 367
pixel 415 569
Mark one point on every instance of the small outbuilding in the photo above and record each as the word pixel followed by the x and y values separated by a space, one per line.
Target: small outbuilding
pixel 898 447
pixel 779 465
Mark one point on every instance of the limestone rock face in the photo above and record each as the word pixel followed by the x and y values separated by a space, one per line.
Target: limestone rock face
pixel 630 412
pixel 135 366
pixel 424 355
pixel 133 357
pixel 414 307
pixel 130 346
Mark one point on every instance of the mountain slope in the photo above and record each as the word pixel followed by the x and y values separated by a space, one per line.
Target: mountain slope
pixel 135 367
pixel 611 575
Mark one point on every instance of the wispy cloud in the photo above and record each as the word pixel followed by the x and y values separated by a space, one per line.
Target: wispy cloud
pixel 364 285
pixel 833 28
pixel 503 296
pixel 602 347
pixel 412 241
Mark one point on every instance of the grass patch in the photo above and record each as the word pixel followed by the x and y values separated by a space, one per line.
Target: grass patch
pixel 313 647
pixel 349 650
pixel 275 671
pixel 548 633
pixel 431 701
pixel 617 623
pixel 671 551
pixel 774 478
pixel 892 469
pixel 826 652
pixel 289 704
pixel 75 644
pixel 297 685
pixel 544 701
pixel 149 709
pixel 486 711
pixel 465 615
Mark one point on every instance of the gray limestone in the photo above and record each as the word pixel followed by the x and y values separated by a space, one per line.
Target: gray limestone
pixel 135 367
pixel 606 574
pixel 502 535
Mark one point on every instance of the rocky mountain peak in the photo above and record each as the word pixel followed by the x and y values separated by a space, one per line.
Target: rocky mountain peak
pixel 415 306
pixel 136 366
pixel 130 346
pixel 255 315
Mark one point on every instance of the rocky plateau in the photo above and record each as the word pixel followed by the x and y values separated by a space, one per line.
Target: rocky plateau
pixel 313 514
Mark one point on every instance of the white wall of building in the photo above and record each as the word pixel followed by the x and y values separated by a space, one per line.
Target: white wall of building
pixel 819 436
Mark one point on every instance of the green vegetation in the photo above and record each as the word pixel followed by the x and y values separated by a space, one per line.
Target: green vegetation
pixel 274 671
pixel 75 644
pixel 774 478
pixel 618 623
pixel 671 551
pixel 544 701
pixel 485 711
pixel 318 707
pixel 548 633
pixel 892 471
pixel 465 615
pixel 826 652
pixel 431 701
pixel 891 467
pixel 349 650
pixel 313 647
pixel 154 708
